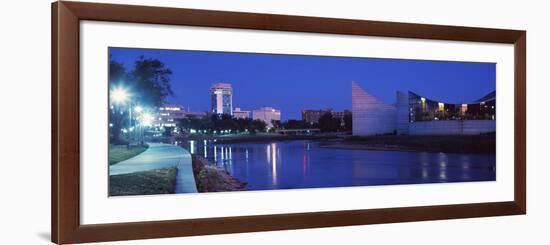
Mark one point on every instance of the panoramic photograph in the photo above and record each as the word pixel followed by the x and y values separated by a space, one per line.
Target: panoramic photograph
pixel 202 121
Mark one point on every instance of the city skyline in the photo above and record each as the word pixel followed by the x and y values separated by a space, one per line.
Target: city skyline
pixel 318 82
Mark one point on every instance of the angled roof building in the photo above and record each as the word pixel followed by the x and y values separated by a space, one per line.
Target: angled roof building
pixel 369 114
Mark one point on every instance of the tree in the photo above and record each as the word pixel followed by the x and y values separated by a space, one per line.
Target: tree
pixel 295 124
pixel 221 122
pixel 276 124
pixel 256 125
pixel 168 131
pixel 151 81
pixel 192 122
pixel 348 122
pixel 327 123
pixel 242 123
pixel 117 72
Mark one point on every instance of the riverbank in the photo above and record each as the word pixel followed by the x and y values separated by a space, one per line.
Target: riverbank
pixel 119 153
pixel 262 138
pixel 476 144
pixel 210 178
pixel 158 181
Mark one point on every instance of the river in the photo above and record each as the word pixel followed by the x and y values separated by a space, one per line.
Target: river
pixel 304 164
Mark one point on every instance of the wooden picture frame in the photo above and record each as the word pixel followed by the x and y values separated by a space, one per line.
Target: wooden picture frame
pixel 65 171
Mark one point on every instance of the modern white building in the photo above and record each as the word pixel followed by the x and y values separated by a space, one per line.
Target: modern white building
pixel 267 114
pixel 222 98
pixel 370 116
pixel 417 115
pixel 238 114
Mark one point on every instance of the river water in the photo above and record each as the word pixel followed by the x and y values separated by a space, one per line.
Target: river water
pixel 304 164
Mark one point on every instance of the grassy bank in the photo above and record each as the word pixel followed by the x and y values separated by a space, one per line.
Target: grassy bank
pixel 159 181
pixel 210 178
pixel 119 153
pixel 482 144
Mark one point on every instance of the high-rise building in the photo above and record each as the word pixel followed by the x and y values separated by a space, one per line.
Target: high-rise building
pixel 267 114
pixel 237 113
pixel 222 98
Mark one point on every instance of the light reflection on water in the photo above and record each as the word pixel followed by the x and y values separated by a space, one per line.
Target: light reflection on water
pixel 274 162
pixel 303 164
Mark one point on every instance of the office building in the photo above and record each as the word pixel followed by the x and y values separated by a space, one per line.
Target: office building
pixel 238 114
pixel 221 98
pixel 168 115
pixel 267 114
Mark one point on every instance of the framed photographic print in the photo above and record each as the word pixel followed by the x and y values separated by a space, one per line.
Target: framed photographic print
pixel 176 122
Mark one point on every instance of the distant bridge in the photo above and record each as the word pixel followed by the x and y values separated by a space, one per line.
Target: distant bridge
pixel 298 131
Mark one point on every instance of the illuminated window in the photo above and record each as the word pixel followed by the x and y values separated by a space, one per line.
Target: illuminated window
pixel 170 109
pixel 423 103
pixel 440 107
pixel 464 109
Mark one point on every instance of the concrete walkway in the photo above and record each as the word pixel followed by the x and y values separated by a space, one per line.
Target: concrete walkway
pixel 185 180
pixel 161 156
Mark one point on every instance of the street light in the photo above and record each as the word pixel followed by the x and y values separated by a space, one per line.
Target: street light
pixel 138 109
pixel 119 95
pixel 146 119
pixel 143 119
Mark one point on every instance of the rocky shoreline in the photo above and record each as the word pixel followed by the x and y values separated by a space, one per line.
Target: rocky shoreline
pixel 211 178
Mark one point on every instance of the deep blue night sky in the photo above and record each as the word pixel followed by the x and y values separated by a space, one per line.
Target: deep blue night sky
pixel 293 82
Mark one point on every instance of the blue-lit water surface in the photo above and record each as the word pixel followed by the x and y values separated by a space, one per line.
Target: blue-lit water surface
pixel 304 164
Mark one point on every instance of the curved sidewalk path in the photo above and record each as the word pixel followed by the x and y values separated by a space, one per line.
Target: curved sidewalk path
pixel 161 156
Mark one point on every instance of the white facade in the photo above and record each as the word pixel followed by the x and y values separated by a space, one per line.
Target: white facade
pixel 452 127
pixel 370 115
pixel 267 114
pixel 403 112
pixel 222 98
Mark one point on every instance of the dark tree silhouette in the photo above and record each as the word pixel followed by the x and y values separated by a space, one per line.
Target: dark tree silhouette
pixel 327 123
pixel 117 72
pixel 296 124
pixel 348 122
pixel 151 81
pixel 221 122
